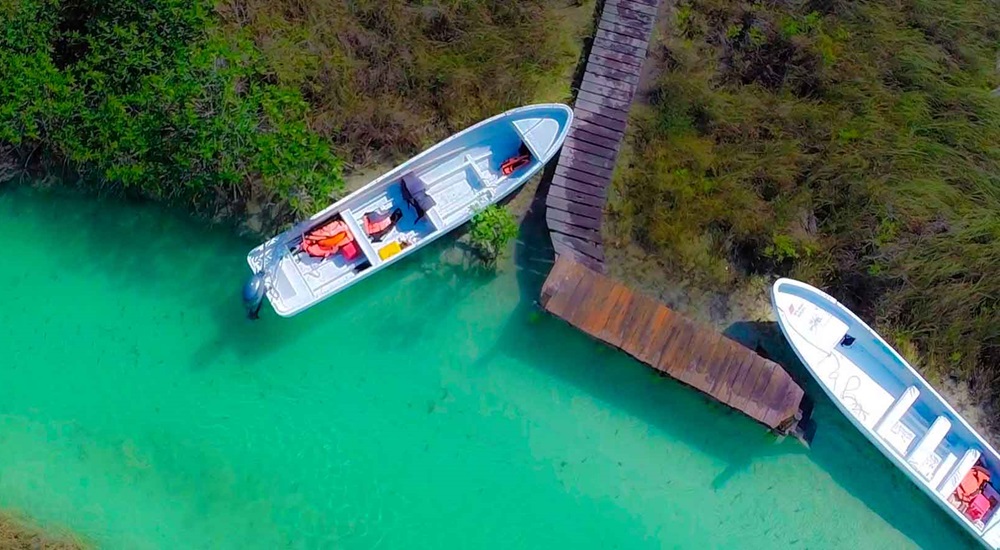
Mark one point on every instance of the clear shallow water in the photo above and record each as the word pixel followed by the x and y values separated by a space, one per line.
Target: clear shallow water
pixel 432 407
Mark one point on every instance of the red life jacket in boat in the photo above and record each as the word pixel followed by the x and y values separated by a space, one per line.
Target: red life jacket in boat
pixel 377 224
pixel 327 240
pixel 510 165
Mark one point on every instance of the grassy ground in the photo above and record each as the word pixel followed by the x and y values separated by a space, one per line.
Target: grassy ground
pixel 18 534
pixel 854 145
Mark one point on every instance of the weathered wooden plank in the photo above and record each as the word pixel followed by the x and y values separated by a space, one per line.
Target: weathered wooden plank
pixel 621 308
pixel 640 44
pixel 557 225
pixel 637 325
pixel 710 362
pixel 615 55
pixel 602 296
pixel 645 9
pixel 588 85
pixel 625 88
pixel 553 201
pixel 572 173
pixel 598 129
pixel 578 300
pixel 653 3
pixel 700 363
pixel 591 148
pixel 744 386
pixel 617 91
pixel 560 290
pixel 578 164
pixel 608 102
pixel 739 377
pixel 673 357
pixel 728 361
pixel 629 19
pixel 658 331
pixel 596 61
pixel 581 116
pixel 612 313
pixel 612 72
pixel 775 392
pixel 597 193
pixel 574 156
pixel 570 218
pixel 579 134
pixel 600 110
pixel 590 306
pixel 579 245
pixel 637 53
pixel 582 259
pixel 559 191
pixel 609 22
pixel 625 18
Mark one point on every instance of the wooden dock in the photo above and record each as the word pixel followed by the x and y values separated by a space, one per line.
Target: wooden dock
pixel 579 188
pixel 674 345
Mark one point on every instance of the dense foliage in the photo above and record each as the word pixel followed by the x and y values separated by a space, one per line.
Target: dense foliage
pixel 147 96
pixel 492 230
pixel 217 104
pixel 854 145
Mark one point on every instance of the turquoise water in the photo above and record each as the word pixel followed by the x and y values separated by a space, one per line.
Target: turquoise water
pixel 432 407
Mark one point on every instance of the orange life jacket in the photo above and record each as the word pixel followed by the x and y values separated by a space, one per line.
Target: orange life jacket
pixel 972 485
pixel 326 241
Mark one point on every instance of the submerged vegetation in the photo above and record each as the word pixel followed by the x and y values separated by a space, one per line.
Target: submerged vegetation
pixel 492 230
pixel 17 534
pixel 855 145
pixel 218 105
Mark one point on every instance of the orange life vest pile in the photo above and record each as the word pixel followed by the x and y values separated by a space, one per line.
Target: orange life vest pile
pixel 970 493
pixel 330 239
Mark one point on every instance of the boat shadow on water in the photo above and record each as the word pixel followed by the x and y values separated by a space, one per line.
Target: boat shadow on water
pixel 681 413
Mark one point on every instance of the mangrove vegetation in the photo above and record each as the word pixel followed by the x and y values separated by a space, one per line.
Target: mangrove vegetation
pixel 217 105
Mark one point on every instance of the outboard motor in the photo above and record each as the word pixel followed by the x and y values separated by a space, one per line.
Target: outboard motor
pixel 253 295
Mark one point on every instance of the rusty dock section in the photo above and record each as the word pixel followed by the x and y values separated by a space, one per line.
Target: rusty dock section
pixel 672 344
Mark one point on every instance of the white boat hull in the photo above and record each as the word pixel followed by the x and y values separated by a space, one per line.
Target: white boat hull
pixel 462 174
pixel 886 399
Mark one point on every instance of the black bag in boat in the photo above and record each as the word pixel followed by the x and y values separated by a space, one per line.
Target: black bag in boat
pixel 415 194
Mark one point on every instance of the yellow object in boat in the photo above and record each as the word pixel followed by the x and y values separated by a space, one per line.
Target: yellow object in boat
pixel 390 250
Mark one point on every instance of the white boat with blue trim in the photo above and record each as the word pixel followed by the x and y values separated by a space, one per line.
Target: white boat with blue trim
pixel 896 409
pixel 403 210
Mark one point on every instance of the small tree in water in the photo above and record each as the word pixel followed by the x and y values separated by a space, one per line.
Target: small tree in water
pixel 492 229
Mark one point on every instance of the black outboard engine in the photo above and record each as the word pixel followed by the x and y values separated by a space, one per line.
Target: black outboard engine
pixel 253 295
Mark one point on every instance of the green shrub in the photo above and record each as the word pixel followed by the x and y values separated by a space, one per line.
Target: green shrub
pixel 492 230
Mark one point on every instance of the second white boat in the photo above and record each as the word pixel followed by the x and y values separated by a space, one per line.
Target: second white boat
pixel 893 406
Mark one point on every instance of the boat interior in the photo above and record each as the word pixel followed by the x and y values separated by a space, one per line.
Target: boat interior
pixel 876 386
pixel 454 182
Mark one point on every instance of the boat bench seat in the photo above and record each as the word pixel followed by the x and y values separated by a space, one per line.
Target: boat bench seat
pixel 922 457
pixel 889 427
